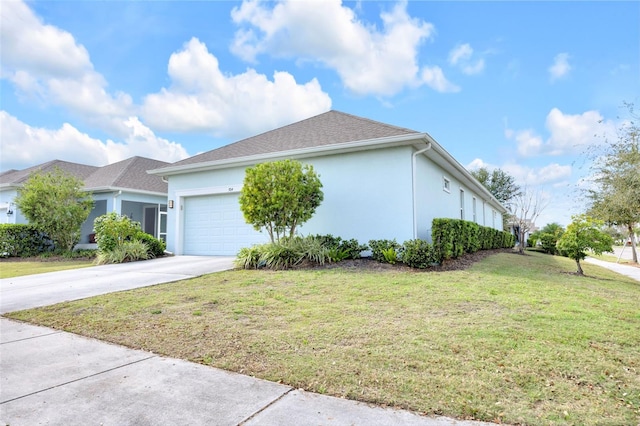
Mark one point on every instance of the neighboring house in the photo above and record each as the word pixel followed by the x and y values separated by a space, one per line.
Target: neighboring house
pixel 514 228
pixel 124 187
pixel 379 182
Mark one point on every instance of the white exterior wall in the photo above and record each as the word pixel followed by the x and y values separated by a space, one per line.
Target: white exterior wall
pixel 367 195
pixel 432 201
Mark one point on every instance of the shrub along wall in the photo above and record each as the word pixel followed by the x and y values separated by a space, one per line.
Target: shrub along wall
pixel 20 240
pixel 454 237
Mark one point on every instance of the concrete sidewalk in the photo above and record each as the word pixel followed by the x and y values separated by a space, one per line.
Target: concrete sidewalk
pixel 32 291
pixel 629 271
pixel 54 377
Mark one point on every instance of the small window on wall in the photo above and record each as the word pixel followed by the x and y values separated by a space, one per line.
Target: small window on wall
pixel 462 204
pixel 475 215
pixel 446 184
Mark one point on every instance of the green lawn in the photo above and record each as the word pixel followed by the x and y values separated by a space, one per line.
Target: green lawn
pixel 9 268
pixel 515 339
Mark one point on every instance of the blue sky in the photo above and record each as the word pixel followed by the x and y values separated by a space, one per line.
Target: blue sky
pixel 523 86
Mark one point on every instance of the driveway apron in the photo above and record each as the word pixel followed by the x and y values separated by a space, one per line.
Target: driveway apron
pixel 46 289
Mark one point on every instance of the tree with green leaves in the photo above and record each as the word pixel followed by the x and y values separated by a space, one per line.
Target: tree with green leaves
pixel 279 196
pixel 548 237
pixel 499 183
pixel 56 204
pixel 616 199
pixel 584 233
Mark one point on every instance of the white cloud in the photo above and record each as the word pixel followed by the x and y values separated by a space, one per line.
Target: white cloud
pixel 462 55
pixel 367 59
pixel 203 99
pixel 568 134
pixel 526 175
pixel 24 145
pixel 434 78
pixel 560 67
pixel 529 144
pixel 572 133
pixel 46 63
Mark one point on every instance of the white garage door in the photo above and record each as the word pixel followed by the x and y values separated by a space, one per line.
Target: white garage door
pixel 214 226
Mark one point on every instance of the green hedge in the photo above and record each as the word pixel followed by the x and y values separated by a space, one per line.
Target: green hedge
pixel 454 237
pixel 23 241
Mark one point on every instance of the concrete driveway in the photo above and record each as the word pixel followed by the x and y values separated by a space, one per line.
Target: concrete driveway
pixel 53 287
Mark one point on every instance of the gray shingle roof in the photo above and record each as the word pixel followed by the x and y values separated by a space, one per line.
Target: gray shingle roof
pixel 329 128
pixel 18 177
pixel 128 174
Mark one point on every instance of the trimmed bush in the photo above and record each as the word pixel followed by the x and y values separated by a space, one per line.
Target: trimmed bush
pixel 155 245
pixel 18 240
pixel 454 237
pixel 418 254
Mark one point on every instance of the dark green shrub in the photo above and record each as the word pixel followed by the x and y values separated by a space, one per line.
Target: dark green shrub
pixel 418 254
pixel 155 245
pixel 329 241
pixel 352 248
pixel 548 243
pixel 380 246
pixel 19 240
pixel 454 237
pixel 342 249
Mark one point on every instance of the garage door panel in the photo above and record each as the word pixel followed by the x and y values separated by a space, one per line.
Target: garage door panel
pixel 214 225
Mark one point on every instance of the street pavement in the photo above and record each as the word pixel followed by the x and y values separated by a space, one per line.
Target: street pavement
pixel 51 377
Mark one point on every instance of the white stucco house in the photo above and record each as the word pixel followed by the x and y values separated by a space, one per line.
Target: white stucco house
pixel 124 187
pixel 379 182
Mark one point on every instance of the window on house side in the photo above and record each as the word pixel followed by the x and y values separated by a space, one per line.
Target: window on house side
pixel 446 184
pixel 473 205
pixel 462 204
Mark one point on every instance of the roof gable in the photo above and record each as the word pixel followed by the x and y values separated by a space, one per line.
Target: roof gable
pixel 128 174
pixel 18 177
pixel 329 128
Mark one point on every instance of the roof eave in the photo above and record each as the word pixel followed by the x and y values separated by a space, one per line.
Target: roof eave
pixel 100 189
pixel 316 151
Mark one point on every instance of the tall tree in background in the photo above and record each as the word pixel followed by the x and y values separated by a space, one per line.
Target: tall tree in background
pixel 56 204
pixel 616 199
pixel 501 185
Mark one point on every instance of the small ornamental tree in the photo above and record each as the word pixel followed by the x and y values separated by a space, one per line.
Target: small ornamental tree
pixel 55 203
pixel 280 195
pixel 583 234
